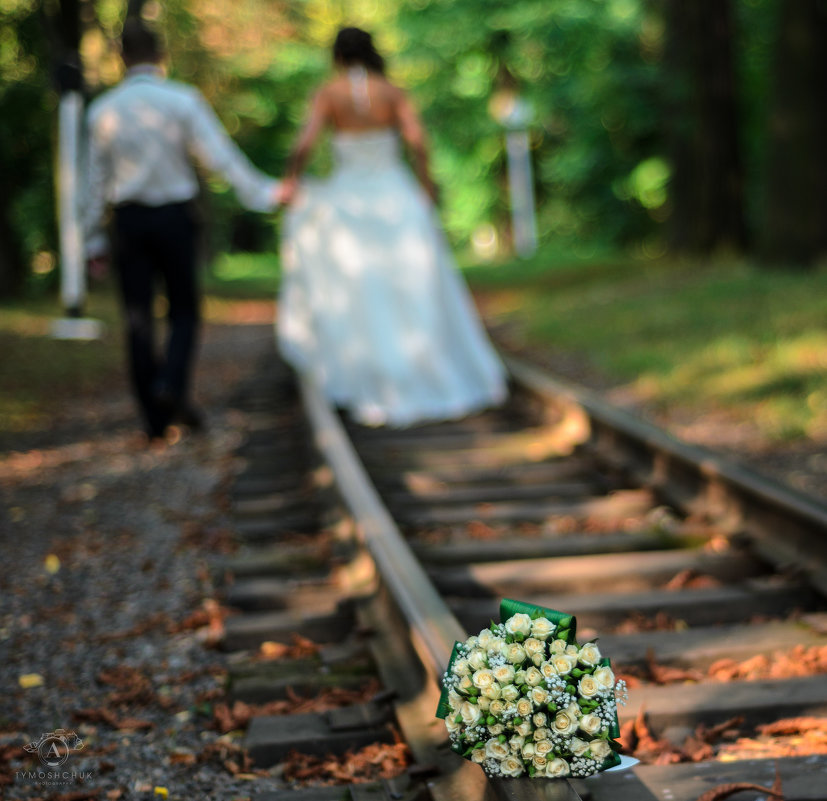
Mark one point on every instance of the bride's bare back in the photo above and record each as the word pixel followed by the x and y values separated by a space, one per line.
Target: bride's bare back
pixel 358 99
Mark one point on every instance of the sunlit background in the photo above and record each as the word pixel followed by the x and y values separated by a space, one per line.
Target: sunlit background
pixel 677 155
pixel 629 101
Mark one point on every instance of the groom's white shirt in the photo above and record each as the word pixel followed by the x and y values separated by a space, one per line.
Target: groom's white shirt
pixel 143 137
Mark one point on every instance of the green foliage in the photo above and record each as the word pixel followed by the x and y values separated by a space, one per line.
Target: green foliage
pixel 588 70
pixel 27 107
pixel 591 70
pixel 721 334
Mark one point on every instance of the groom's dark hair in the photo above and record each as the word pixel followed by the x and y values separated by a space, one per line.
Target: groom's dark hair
pixel 354 46
pixel 139 44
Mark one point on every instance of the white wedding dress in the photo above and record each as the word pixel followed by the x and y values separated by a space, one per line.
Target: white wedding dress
pixel 371 304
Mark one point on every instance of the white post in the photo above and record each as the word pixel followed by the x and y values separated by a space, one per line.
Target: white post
pixel 72 261
pixel 514 114
pixel 521 189
pixel 72 275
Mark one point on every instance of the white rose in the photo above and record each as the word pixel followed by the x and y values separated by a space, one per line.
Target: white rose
pixel 461 668
pixel 524 729
pixel 495 645
pixel 454 699
pixel 557 768
pixel 484 703
pixel 547 669
pixel 539 695
pixel 471 713
pixel 543 747
pixel 478 755
pixel 492 692
pixel 514 653
pixel 511 766
pixel 563 663
pixel 572 650
pixel 451 723
pixel 510 692
pixel 541 734
pixel 538 659
pixel 539 719
pixel 465 683
pixel 528 750
pixel 533 647
pixel 587 686
pixel 533 677
pixel 478 659
pixel 558 646
pixel 496 729
pixel 589 654
pixel 600 749
pixel 483 678
pixel 504 674
pixel 497 708
pixel 542 628
pixel 564 723
pixel 577 746
pixel 524 707
pixel 591 724
pixel 484 638
pixel 519 677
pixel 516 743
pixel 494 749
pixel 605 677
pixel 539 763
pixel 518 624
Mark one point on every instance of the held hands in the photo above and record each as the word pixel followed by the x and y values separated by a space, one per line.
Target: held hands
pixel 286 191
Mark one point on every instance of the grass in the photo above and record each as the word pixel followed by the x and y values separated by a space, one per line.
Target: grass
pixel 715 335
pixel 721 334
pixel 37 371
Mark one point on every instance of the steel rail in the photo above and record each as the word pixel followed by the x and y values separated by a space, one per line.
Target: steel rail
pixel 786 527
pixel 434 628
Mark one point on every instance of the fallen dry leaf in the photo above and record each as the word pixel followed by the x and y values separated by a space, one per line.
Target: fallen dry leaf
pixel 375 761
pixel 299 648
pixel 726 790
pixel 228 718
pixel 665 674
pixel 104 715
pixel 690 578
pixel 799 725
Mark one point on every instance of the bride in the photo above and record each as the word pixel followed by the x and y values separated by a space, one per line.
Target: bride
pixel 371 304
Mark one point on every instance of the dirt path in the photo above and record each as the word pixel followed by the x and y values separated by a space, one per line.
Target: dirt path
pixel 106 614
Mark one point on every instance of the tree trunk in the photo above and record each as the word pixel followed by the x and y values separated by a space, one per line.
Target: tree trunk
pixel 707 184
pixel 794 230
pixel 12 266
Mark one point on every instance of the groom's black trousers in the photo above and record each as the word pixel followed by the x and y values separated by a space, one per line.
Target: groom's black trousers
pixel 155 243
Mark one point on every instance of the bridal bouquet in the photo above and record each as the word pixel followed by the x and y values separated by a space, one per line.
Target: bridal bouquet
pixel 523 698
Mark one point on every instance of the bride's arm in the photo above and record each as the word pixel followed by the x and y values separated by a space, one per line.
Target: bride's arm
pixel 413 134
pixel 316 122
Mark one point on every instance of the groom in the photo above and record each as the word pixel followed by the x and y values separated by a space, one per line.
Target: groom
pixel 141 137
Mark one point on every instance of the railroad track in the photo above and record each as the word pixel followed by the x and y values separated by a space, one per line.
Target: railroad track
pixel 703 581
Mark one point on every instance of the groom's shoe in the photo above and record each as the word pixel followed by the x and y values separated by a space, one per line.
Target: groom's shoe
pixel 192 418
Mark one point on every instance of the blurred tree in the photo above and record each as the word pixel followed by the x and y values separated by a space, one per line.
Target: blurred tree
pixel 794 229
pixel 588 69
pixel 707 186
pixel 27 222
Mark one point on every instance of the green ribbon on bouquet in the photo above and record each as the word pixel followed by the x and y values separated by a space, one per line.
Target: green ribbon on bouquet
pixel 566 624
pixel 566 630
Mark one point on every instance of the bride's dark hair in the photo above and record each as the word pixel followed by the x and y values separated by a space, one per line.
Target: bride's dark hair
pixel 354 46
